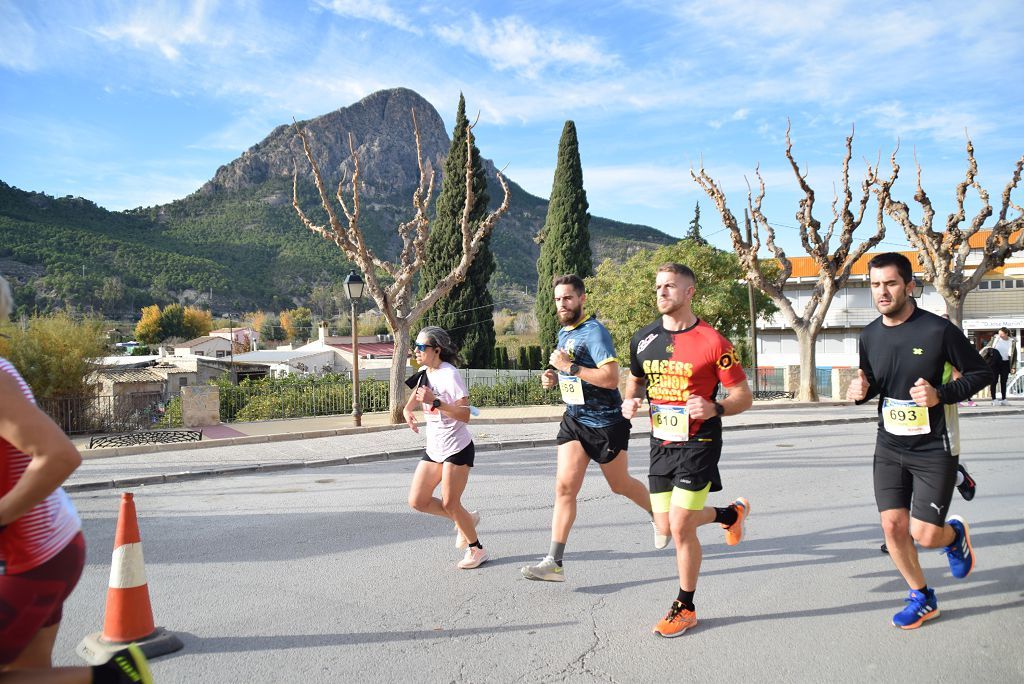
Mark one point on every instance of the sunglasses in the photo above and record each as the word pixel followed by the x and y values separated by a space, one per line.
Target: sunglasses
pixel 424 347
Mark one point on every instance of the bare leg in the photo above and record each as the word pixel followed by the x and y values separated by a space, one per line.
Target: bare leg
pixel 684 525
pixel 616 473
pixel 33 664
pixel 572 466
pixel 453 483
pixel 896 526
pixel 421 491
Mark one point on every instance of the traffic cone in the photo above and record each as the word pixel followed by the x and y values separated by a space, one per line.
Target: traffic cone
pixel 129 615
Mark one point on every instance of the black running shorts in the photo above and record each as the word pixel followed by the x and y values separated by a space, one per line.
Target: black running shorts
pixel 921 482
pixel 464 457
pixel 601 444
pixel 688 465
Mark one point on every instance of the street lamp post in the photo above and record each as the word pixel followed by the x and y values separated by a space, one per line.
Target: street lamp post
pixel 354 290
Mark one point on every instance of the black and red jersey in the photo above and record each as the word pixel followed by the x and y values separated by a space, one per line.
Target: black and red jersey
pixel 679 363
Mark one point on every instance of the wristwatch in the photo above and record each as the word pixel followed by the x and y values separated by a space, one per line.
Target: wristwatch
pixel 719 410
pixel 436 404
pixel 574 369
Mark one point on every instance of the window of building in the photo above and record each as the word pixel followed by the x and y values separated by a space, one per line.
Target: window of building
pixel 996 284
pixel 220 353
pixel 200 353
pixel 983 285
pixel 182 381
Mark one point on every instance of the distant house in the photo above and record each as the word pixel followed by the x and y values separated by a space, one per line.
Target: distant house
pixel 284 362
pixel 208 345
pixel 246 339
pixel 375 352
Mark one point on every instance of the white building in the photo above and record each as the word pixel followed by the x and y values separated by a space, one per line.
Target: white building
pixel 997 302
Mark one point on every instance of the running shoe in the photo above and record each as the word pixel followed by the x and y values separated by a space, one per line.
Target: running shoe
pixel 547 570
pixel 734 532
pixel 968 486
pixel 660 540
pixel 460 539
pixel 474 558
pixel 921 606
pixel 676 622
pixel 129 666
pixel 960 553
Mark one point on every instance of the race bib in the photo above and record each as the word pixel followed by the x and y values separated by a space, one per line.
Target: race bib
pixel 904 417
pixel 670 423
pixel 572 389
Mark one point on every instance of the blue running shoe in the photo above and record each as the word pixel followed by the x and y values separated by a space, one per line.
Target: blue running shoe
pixel 921 606
pixel 960 553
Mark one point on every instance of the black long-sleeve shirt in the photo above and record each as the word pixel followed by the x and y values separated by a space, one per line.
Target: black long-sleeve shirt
pixel 923 346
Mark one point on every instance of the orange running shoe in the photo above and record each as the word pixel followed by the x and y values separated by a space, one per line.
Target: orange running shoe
pixel 677 621
pixel 734 532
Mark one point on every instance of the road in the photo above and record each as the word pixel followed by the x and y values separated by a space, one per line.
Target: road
pixel 326 575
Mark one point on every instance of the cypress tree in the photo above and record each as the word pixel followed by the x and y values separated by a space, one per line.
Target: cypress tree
pixel 467 311
pixel 565 238
pixel 694 232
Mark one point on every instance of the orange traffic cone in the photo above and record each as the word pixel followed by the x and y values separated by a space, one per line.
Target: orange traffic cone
pixel 129 615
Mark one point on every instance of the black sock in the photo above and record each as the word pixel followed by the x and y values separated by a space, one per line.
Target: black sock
pixel 102 674
pixel 477 544
pixel 686 599
pixel 727 516
pixel 923 590
pixel 557 549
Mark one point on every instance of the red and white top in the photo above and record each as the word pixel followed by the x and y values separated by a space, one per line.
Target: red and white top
pixel 46 529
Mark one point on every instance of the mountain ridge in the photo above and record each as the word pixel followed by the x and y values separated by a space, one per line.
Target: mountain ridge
pixel 237 237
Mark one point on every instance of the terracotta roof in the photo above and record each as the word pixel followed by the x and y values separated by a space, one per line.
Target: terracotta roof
pixel 130 375
pixel 199 340
pixel 380 350
pixel 804 266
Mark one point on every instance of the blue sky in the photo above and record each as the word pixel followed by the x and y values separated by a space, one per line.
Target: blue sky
pixel 134 104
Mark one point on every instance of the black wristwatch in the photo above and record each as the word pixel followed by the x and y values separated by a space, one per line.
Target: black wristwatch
pixel 436 404
pixel 574 369
pixel 719 410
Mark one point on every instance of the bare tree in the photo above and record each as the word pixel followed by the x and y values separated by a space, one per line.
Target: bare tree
pixel 946 256
pixel 833 267
pixel 396 300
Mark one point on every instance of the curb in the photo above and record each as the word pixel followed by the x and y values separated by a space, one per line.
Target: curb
pixel 511 445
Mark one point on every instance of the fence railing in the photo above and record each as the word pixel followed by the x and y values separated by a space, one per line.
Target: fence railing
pixel 103 413
pixel 271 400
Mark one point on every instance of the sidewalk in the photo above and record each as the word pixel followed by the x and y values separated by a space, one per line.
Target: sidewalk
pixel 298 443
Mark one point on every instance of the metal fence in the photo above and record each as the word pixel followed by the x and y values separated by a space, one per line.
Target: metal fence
pixel 96 414
pixel 271 400
pixel 772 380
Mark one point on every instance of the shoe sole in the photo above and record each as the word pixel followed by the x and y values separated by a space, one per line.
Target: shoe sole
pixel 927 616
pixel 551 578
pixel 680 633
pixel 483 560
pixel 970 547
pixel 742 521
pixel 140 663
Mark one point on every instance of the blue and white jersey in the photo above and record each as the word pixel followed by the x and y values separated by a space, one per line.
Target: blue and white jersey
pixel 589 345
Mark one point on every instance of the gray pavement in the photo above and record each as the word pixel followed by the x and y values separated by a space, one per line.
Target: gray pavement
pixel 329 440
pixel 324 574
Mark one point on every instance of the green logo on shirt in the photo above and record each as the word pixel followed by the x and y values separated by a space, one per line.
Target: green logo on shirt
pixel 918 351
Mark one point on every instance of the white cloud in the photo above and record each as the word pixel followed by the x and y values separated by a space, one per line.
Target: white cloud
pixel 371 10
pixel 17 39
pixel 940 123
pixel 511 44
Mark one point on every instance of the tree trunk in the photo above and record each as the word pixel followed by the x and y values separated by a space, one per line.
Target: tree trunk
pixel 954 308
pixel 396 386
pixel 808 366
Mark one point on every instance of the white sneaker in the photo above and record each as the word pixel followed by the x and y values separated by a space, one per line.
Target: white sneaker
pixel 460 539
pixel 1004 402
pixel 660 540
pixel 995 402
pixel 547 570
pixel 474 558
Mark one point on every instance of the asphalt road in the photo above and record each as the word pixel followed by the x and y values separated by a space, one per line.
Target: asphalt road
pixel 326 575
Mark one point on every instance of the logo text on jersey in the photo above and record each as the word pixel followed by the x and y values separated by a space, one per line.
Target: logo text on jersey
pixel 645 342
pixel 918 351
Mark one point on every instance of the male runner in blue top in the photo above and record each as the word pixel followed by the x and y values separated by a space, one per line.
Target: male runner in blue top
pixel 593 429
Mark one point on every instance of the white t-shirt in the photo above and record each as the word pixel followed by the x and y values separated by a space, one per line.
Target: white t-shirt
pixel 1003 346
pixel 445 435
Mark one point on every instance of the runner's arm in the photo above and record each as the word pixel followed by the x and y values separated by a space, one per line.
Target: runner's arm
pixel 739 400
pixel 974 372
pixel 459 410
pixel 31 431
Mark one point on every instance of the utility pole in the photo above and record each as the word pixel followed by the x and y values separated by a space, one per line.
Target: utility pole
pixel 753 312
